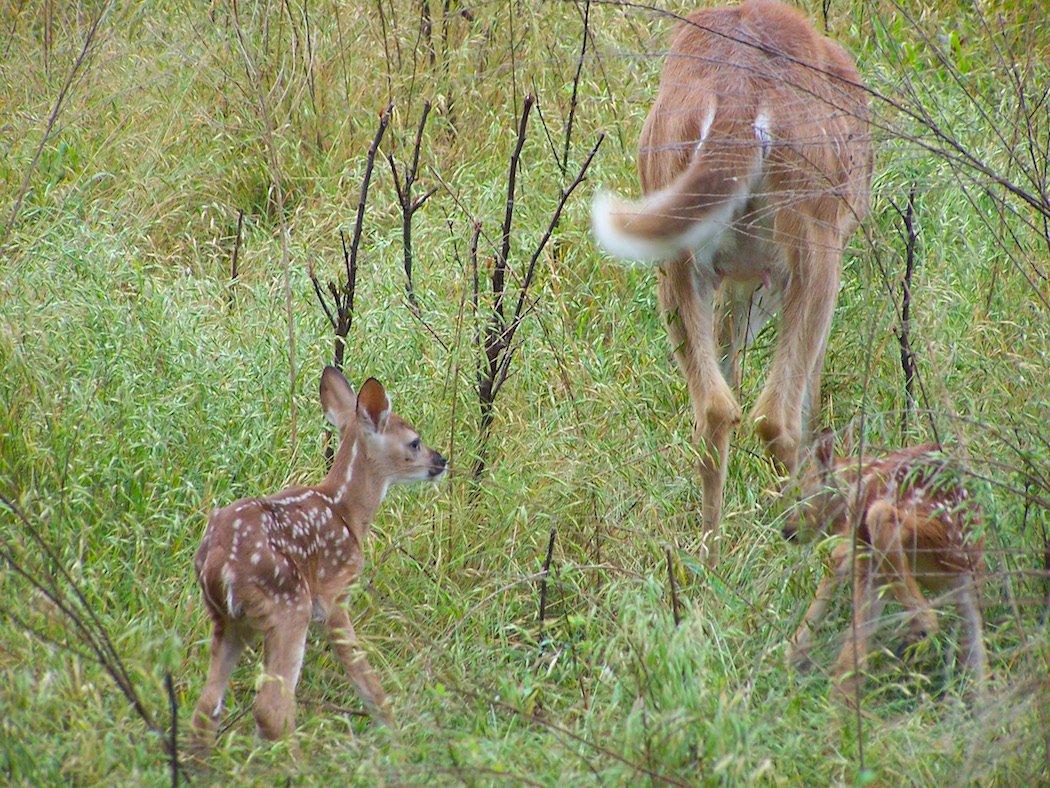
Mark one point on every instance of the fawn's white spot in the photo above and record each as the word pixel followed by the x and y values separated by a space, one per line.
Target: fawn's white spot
pixel 349 473
pixel 228 577
pixel 763 134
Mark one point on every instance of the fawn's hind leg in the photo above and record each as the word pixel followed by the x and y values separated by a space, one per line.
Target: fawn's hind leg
pixel 344 642
pixel 226 648
pixel 885 526
pixel 283 647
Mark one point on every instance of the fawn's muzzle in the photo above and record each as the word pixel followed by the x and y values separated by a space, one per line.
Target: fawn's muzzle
pixel 789 532
pixel 438 465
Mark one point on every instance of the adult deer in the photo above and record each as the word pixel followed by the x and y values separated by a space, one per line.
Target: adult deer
pixel 268 565
pixel 756 164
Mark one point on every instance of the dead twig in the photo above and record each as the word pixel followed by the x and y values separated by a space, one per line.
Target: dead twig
pixel 85 50
pixel 543 580
pixel 173 742
pixel 904 330
pixel 498 342
pixel 576 85
pixel 234 270
pixel 674 589
pixel 341 312
pixel 403 184
pixel 86 624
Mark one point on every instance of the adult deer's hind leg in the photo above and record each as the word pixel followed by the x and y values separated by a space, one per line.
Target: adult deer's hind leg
pixel 687 299
pixel 805 321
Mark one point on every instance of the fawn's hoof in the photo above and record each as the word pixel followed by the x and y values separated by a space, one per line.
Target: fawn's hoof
pixel 383 715
pixel 913 639
pixel 845 692
pixel 800 660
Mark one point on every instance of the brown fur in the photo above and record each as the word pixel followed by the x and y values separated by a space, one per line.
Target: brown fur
pixel 757 164
pixel 914 525
pixel 268 565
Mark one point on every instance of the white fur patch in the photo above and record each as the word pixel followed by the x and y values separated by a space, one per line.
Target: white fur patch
pixel 619 244
pixel 345 486
pixel 228 577
pixel 700 235
pixel 762 132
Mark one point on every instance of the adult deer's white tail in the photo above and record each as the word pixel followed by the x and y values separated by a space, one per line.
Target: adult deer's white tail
pixel 699 204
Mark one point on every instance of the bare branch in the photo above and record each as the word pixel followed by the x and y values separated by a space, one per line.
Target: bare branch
pixel 576 85
pixel 403 186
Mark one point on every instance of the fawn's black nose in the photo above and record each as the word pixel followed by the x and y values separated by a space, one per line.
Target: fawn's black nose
pixel 438 465
pixel 789 532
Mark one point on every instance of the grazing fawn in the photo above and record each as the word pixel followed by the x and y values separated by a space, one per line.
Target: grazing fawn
pixel 915 526
pixel 268 565
pixel 756 162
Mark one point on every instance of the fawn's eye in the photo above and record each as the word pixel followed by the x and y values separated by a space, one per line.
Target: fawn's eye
pixel 414 445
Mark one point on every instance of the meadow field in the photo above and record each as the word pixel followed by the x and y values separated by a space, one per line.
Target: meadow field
pixel 172 176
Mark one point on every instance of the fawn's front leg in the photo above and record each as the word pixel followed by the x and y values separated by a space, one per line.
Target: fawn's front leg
pixel 972 644
pixel 798 648
pixel 848 673
pixel 347 648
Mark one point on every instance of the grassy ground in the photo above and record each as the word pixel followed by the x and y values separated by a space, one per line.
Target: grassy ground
pixel 139 387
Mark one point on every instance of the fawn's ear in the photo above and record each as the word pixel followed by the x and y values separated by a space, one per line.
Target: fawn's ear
pixel 373 405
pixel 337 398
pixel 824 449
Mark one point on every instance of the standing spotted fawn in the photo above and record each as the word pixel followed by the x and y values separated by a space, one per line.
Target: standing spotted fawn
pixel 268 565
pixel 915 527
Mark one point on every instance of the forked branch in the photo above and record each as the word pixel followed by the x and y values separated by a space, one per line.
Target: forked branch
pixel 910 237
pixel 340 312
pixel 403 184
pixel 497 341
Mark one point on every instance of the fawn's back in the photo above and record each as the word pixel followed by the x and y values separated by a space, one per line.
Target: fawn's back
pixel 286 550
pixel 913 496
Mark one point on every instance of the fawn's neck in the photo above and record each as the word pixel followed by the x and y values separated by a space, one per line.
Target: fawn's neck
pixel 354 486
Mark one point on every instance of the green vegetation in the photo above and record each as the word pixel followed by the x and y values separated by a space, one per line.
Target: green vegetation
pixel 139 387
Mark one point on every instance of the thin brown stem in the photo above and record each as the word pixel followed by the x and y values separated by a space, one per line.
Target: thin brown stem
pixel 85 50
